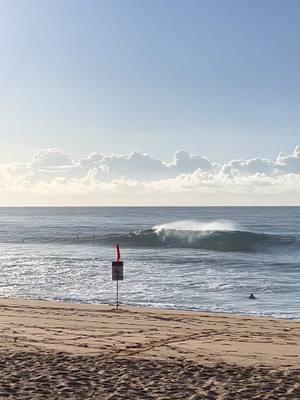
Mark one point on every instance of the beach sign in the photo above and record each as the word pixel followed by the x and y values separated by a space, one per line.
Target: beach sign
pixel 117 267
pixel 117 272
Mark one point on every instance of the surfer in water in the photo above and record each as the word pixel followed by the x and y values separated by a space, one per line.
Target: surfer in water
pixel 252 297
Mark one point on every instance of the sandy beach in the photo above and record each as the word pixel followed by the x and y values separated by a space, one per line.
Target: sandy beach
pixel 52 350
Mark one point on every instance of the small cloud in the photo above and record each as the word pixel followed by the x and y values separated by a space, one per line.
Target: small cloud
pixel 289 163
pixel 184 162
pixel 50 158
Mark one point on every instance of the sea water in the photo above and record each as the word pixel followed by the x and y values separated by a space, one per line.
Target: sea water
pixel 193 258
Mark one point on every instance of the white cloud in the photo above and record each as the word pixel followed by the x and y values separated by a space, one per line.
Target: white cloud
pixel 249 167
pixel 50 158
pixel 47 165
pixel 289 163
pixel 142 166
pixel 52 177
pixel 184 162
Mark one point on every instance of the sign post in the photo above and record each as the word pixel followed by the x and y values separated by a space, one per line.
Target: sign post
pixel 117 272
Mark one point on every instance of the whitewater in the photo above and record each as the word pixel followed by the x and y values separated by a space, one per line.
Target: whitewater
pixel 199 258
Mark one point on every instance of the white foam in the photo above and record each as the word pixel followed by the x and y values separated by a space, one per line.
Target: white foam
pixel 193 225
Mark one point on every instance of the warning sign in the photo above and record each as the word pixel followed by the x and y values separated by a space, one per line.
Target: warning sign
pixel 117 271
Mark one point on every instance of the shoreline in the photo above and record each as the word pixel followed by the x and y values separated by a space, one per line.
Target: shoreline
pixel 52 350
pixel 153 308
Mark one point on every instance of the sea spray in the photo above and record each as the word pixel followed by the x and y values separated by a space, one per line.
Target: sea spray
pixel 199 226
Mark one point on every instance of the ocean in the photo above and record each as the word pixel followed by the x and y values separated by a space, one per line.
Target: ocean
pixel 191 258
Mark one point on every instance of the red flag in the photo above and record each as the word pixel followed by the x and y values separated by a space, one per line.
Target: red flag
pixel 118 253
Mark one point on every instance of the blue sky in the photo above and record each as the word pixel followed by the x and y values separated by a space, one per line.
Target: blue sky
pixel 216 78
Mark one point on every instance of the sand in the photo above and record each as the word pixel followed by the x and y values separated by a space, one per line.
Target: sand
pixel 52 350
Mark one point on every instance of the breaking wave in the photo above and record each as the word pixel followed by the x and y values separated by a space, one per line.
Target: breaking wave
pixel 218 236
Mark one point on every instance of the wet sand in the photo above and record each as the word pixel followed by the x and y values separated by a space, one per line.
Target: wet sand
pixel 52 350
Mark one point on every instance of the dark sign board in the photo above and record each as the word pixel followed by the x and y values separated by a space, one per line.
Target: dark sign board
pixel 117 271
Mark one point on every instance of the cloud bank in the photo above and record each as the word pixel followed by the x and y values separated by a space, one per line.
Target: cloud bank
pixel 53 178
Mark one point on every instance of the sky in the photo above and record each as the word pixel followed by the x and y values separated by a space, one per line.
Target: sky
pixel 162 102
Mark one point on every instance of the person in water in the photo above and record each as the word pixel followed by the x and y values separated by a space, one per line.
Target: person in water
pixel 252 297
